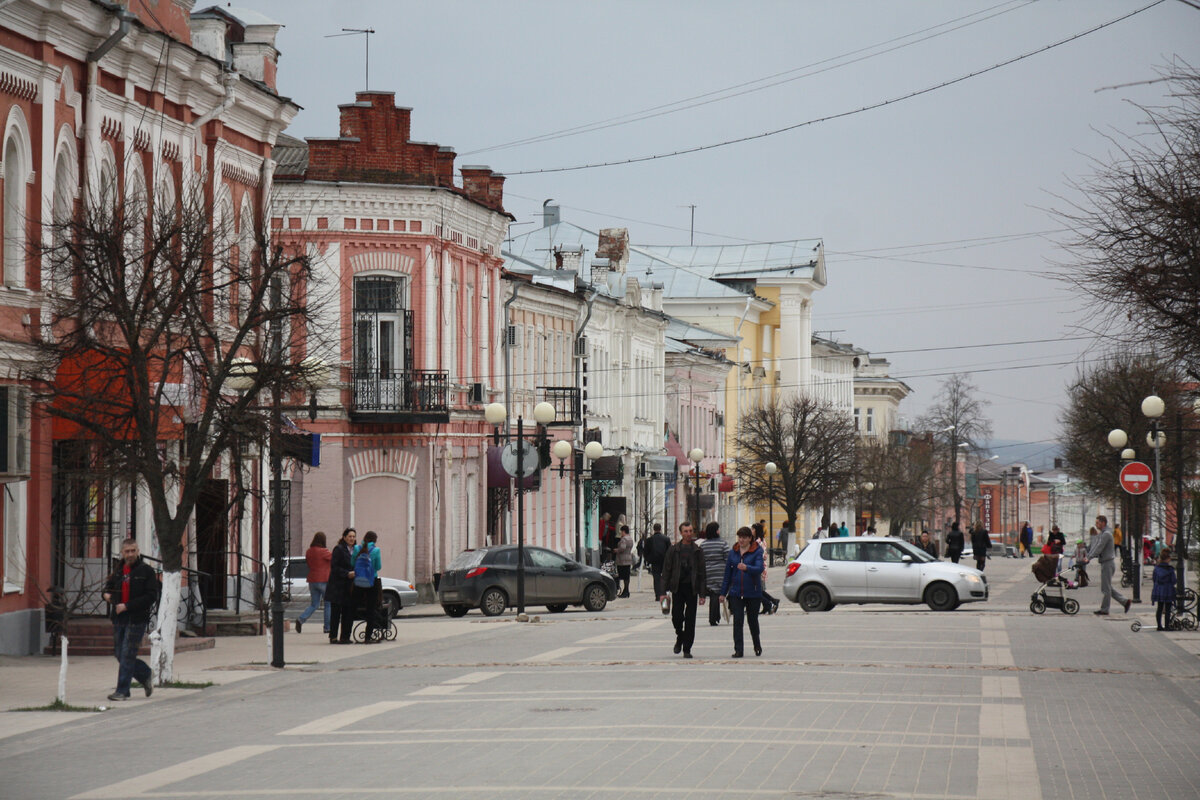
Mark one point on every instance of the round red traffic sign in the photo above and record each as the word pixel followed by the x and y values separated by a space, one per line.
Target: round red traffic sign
pixel 1136 477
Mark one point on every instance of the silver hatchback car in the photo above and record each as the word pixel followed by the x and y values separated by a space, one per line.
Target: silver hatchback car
pixel 878 569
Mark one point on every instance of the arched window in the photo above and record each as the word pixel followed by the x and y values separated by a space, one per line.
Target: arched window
pixel 245 265
pixel 136 215
pixel 223 264
pixel 16 170
pixel 62 209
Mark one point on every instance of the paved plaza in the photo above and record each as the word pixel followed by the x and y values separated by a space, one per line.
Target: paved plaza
pixel 988 701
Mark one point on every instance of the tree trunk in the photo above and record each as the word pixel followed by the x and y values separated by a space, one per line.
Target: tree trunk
pixel 162 639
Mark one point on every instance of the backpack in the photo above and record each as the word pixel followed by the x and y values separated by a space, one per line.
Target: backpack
pixel 364 570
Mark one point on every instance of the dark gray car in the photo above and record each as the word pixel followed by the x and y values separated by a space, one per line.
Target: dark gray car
pixel 487 579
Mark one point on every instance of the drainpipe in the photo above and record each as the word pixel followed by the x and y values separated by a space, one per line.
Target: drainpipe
pixel 91 119
pixel 508 355
pixel 228 81
pixel 582 425
pixel 738 333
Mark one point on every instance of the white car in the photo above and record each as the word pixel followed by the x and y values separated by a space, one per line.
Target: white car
pixel 878 569
pixel 397 594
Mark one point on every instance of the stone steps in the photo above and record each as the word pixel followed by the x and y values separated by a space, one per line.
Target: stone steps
pixel 92 636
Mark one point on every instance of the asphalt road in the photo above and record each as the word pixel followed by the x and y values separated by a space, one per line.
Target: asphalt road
pixel 988 701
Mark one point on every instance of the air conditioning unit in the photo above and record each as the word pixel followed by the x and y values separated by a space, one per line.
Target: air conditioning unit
pixel 581 347
pixel 512 337
pixel 476 393
pixel 14 434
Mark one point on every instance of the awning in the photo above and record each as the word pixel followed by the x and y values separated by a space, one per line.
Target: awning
pixel 608 468
pixel 676 449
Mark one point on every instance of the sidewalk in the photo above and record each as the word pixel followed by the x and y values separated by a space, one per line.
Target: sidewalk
pixel 31 681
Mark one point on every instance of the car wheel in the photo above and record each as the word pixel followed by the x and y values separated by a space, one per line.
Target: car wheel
pixel 941 597
pixel 814 598
pixel 594 597
pixel 493 603
pixel 391 604
pixel 1071 606
pixel 455 611
pixel 556 608
pixel 1037 607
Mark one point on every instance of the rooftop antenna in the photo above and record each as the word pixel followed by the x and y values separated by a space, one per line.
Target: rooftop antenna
pixel 366 34
pixel 692 232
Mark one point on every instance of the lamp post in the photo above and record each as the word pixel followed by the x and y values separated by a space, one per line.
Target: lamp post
pixel 516 452
pixel 562 449
pixel 696 455
pixel 870 489
pixel 770 468
pixel 1117 439
pixel 1153 408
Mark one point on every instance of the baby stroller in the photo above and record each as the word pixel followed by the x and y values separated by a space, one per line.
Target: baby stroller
pixel 383 629
pixel 1050 570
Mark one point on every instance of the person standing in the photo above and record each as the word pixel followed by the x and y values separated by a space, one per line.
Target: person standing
pixel 954 543
pixel 980 544
pixel 368 563
pixel 927 544
pixel 317 556
pixel 623 555
pixel 1101 548
pixel 338 590
pixel 715 552
pixel 784 535
pixel 843 531
pixel 1164 590
pixel 1026 540
pixel 741 585
pixel 132 590
pixel 1056 541
pixel 656 552
pixel 683 577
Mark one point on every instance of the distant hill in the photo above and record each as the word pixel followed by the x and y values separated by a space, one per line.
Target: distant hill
pixel 1035 455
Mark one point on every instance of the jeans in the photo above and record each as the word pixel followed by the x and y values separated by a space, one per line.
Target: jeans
pixel 127 638
pixel 746 607
pixel 683 615
pixel 316 591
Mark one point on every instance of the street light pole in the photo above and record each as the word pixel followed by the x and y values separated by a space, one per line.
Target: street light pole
pixel 276 546
pixel 697 455
pixel 771 469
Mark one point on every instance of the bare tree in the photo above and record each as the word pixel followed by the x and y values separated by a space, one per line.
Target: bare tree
pixel 1136 234
pixel 158 355
pixel 810 442
pixel 904 476
pixel 957 419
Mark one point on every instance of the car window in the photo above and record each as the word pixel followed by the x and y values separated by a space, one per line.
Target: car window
pixel 504 558
pixel 468 559
pixel 545 558
pixel 839 551
pixel 917 553
pixel 885 552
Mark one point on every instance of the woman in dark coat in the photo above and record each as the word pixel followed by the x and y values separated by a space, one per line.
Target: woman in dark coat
pixel 980 544
pixel 341 579
pixel 742 587
pixel 1164 590
pixel 954 543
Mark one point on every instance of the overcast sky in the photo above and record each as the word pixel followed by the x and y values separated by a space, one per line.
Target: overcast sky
pixel 934 210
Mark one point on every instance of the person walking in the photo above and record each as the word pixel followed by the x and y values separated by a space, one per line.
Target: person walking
pixel 1101 548
pixel 338 590
pixel 317 556
pixel 980 544
pixel 623 555
pixel 1164 590
pixel 1056 541
pixel 132 590
pixel 1026 540
pixel 770 604
pixel 683 577
pixel 715 552
pixel 656 552
pixel 741 586
pixel 954 543
pixel 368 563
pixel 784 536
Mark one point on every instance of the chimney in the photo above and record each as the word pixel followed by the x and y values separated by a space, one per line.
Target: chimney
pixel 614 246
pixel 208 36
pixel 600 269
pixel 255 60
pixel 476 183
pixel 550 214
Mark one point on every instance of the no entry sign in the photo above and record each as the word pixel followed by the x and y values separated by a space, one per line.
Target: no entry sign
pixel 1136 477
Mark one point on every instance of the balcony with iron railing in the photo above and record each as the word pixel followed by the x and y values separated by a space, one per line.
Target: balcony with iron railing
pixel 414 395
pixel 565 399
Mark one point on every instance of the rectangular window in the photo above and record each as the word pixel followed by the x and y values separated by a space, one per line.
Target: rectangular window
pixel 12 495
pixel 870 420
pixel 378 316
pixel 857 419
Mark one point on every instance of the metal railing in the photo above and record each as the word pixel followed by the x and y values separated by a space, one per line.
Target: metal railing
pixel 565 399
pixel 402 391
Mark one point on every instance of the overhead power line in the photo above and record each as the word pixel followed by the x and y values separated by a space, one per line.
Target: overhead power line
pixel 840 115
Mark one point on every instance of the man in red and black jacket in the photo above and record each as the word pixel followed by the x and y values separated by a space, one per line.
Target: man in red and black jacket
pixel 132 590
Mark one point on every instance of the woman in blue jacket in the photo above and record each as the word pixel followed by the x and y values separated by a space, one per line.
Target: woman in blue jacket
pixel 742 587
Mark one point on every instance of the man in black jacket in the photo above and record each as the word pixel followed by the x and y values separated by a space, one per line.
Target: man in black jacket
pixel 683 577
pixel 132 590
pixel 656 553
